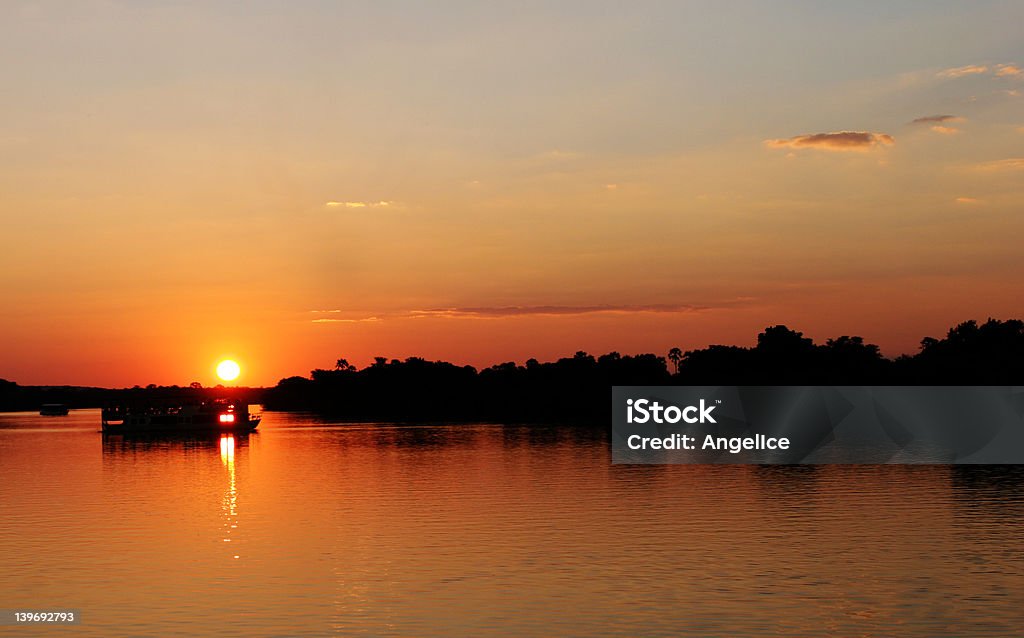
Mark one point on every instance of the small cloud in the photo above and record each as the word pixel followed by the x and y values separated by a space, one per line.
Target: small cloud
pixel 837 141
pixel 519 311
pixel 381 204
pixel 937 119
pixel 999 70
pixel 500 312
pixel 1009 164
pixel 611 187
pixel 1020 129
pixel 967 200
pixel 360 320
pixel 1008 71
pixel 336 319
pixel 1012 92
pixel 940 123
pixel 961 71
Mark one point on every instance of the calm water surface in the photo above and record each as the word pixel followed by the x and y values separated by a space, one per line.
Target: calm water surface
pixel 313 528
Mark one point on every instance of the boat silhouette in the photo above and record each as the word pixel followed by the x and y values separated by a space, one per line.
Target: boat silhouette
pixel 220 415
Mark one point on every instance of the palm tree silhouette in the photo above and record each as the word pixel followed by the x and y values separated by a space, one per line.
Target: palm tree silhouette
pixel 344 365
pixel 675 355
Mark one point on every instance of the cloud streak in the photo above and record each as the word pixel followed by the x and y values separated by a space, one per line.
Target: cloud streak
pixel 998 70
pixel 497 312
pixel 859 141
pixel 519 311
pixel 939 123
pixel 937 119
pixel 1008 71
pixel 337 204
pixel 1009 164
pixel 336 319
pixel 961 71
pixel 360 320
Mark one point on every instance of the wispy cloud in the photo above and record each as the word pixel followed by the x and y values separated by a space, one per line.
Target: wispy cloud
pixel 998 70
pixel 518 311
pixel 937 119
pixel 961 71
pixel 967 200
pixel 495 312
pixel 333 320
pixel 1009 164
pixel 337 204
pixel 836 141
pixel 1008 70
pixel 940 123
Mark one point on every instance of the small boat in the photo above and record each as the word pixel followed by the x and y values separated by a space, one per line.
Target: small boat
pixel 53 409
pixel 221 415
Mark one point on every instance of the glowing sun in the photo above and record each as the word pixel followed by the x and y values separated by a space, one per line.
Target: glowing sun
pixel 228 370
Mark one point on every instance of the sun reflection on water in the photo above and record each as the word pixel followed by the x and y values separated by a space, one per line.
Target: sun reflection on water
pixel 229 503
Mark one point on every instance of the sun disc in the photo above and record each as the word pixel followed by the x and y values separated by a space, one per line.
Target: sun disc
pixel 228 370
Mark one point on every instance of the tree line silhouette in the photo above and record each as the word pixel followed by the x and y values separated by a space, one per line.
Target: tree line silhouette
pixel 14 397
pixel 577 388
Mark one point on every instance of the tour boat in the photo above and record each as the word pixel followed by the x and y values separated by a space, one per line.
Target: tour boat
pixel 53 409
pixel 211 416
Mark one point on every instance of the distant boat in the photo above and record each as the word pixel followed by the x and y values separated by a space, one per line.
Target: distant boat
pixel 53 409
pixel 222 415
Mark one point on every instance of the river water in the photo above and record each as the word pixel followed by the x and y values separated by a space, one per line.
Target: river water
pixel 309 527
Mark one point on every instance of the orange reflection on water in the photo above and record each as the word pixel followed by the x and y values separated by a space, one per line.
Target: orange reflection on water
pixel 227 451
pixel 230 501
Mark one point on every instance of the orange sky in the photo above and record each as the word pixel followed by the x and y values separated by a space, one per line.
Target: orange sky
pixel 294 184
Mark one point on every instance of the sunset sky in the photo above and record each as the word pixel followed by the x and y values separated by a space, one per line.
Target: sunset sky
pixel 286 183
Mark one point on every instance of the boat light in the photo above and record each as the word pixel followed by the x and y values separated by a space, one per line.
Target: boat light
pixel 227 418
